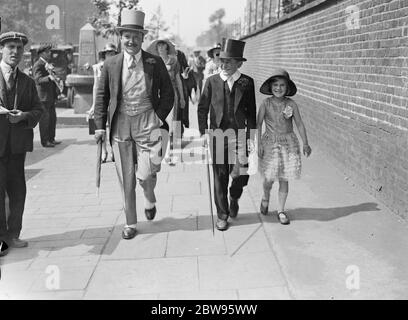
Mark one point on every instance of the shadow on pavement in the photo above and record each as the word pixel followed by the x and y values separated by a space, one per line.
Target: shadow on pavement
pixel 40 153
pixel 110 237
pixel 326 214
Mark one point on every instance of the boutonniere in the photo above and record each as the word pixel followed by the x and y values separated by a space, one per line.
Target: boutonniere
pixel 243 82
pixel 287 112
pixel 151 60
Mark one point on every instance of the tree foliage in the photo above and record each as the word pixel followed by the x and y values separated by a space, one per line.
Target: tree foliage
pixel 104 20
pixel 218 30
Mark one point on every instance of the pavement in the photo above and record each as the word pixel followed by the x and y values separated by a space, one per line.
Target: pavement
pixel 341 244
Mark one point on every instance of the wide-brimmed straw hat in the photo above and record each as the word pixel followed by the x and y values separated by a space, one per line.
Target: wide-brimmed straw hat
pixel 210 52
pixel 232 49
pixel 132 20
pixel 279 73
pixel 153 46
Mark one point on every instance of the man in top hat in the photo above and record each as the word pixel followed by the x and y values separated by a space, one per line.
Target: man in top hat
pixel 136 93
pixel 48 93
pixel 229 97
pixel 20 111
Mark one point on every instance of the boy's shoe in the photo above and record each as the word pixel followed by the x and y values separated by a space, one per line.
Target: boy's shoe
pixel 4 248
pixel 283 218
pixel 221 225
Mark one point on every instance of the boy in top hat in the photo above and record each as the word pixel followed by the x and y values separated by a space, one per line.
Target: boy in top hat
pixel 20 111
pixel 47 91
pixel 136 89
pixel 229 97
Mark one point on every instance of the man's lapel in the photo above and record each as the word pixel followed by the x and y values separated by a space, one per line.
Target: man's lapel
pixel 21 86
pixel 3 94
pixel 148 67
pixel 219 98
pixel 117 73
pixel 238 93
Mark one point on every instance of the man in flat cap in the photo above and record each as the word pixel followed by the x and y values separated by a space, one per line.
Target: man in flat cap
pixel 229 98
pixel 20 111
pixel 136 89
pixel 48 93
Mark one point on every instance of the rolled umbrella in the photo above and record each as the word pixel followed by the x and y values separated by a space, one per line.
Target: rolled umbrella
pixel 207 152
pixel 98 166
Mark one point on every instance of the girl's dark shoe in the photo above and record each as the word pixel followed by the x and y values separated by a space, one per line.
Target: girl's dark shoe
pixel 264 207
pixel 283 218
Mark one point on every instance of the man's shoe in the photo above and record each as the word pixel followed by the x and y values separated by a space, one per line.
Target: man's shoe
pixel 18 243
pixel 128 233
pixel 221 225
pixel 233 207
pixel 4 248
pixel 150 213
pixel 48 145
pixel 55 142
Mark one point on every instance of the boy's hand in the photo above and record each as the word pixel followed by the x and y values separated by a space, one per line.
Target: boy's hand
pixel 307 150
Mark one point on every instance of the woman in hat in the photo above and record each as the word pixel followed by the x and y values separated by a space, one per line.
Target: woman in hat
pixel 167 51
pixel 108 51
pixel 213 66
pixel 278 148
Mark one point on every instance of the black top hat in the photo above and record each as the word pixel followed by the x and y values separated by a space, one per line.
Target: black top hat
pixel 210 52
pixel 232 49
pixel 13 36
pixel 44 47
pixel 278 73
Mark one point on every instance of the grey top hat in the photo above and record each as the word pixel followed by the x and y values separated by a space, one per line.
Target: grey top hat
pixel 132 20
pixel 233 49
pixel 13 36
pixel 278 73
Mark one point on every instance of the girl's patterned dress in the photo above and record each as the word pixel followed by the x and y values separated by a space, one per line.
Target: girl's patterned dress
pixel 282 157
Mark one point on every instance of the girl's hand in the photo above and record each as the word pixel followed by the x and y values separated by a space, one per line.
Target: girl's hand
pixel 185 72
pixel 307 150
pixel 260 151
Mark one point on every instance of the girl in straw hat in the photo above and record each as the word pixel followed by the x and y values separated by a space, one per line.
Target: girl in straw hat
pixel 278 148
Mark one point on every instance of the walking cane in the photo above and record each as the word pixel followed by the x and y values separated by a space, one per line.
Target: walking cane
pixel 206 147
pixel 98 166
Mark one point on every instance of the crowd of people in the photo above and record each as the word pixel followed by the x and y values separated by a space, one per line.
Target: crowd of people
pixel 143 96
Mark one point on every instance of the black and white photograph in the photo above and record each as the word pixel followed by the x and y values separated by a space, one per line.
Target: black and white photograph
pixel 203 157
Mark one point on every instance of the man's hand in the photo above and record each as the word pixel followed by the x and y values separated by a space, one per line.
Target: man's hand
pixel 15 116
pixel 100 135
pixel 185 72
pixel 206 139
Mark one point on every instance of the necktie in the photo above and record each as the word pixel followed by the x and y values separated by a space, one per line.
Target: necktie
pixel 132 65
pixel 11 81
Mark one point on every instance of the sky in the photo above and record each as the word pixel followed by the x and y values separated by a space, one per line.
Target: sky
pixel 193 14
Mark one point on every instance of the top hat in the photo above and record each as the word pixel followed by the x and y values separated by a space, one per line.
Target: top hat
pixel 210 52
pixel 13 36
pixel 44 47
pixel 110 47
pixel 232 49
pixel 153 46
pixel 132 20
pixel 279 73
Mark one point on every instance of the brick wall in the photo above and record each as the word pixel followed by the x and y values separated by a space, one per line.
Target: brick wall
pixel 352 78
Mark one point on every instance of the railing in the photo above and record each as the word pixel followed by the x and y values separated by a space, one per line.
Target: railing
pixel 261 13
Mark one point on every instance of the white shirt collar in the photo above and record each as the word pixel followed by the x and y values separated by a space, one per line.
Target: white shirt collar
pixel 5 68
pixel 232 78
pixel 128 57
